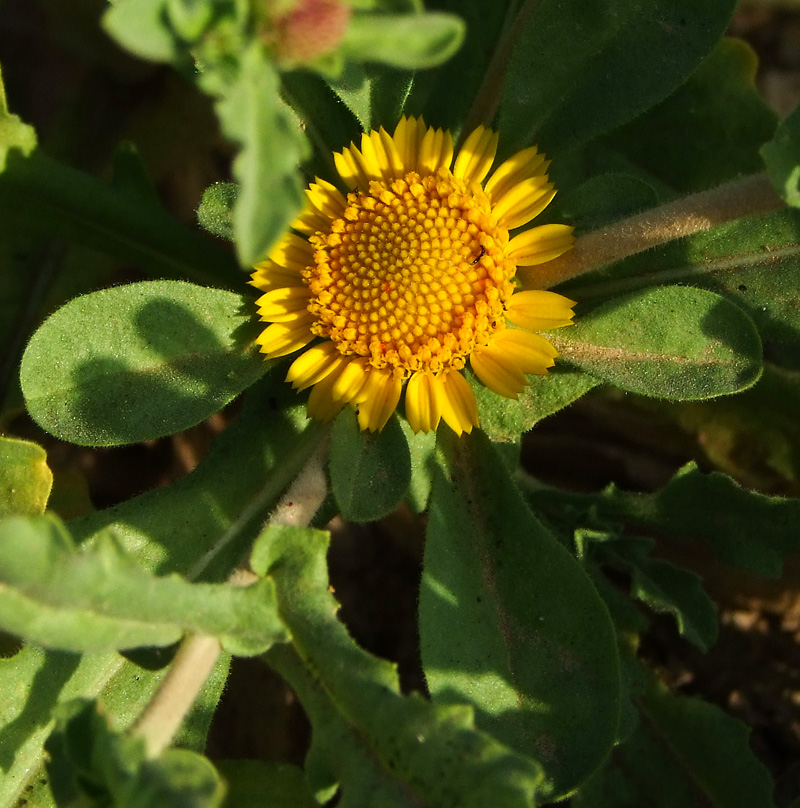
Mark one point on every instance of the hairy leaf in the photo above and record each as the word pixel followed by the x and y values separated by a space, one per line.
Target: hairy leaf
pixel 138 362
pixel 370 471
pixel 782 158
pixel 510 623
pixel 256 784
pixel 379 747
pixel 669 342
pixel 97 598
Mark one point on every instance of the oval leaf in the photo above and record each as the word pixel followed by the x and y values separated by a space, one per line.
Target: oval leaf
pixel 510 623
pixel 370 471
pixel 670 342
pixel 138 362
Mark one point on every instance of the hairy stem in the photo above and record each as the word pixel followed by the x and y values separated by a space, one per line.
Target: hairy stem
pixel 683 217
pixel 198 653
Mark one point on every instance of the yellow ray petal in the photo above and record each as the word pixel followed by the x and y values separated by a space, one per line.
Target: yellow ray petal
pixel 313 365
pixel 292 252
pixel 321 404
pixel 498 374
pixel 523 202
pixel 378 399
pixel 349 164
pixel 476 155
pixel 540 244
pixel 284 304
pixel 538 310
pixel 325 203
pixel 459 407
pixel 435 151
pixel 281 339
pixel 351 379
pixel 522 166
pixel 407 140
pixel 424 396
pixel 269 275
pixel 523 350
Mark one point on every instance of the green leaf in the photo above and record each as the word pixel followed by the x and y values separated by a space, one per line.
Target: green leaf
pixel 14 134
pixel 25 478
pixel 256 784
pixel 381 748
pixel 670 342
pixel 201 527
pixel 98 599
pixel 92 764
pixel 581 69
pixel 510 623
pixel 782 158
pixel 409 41
pixel 370 471
pixel 141 26
pixel 215 213
pixel 746 529
pixel 138 362
pixel 684 753
pixel 504 419
pixel 720 100
pixel 422 448
pixel 272 147
pixel 664 587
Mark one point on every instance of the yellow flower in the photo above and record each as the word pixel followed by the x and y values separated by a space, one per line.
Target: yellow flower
pixel 411 275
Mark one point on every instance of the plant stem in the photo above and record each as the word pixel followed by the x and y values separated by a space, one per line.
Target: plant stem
pixel 683 217
pixel 198 653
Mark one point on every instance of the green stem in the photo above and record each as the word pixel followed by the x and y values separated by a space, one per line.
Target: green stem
pixel 162 717
pixel 749 196
pixel 40 195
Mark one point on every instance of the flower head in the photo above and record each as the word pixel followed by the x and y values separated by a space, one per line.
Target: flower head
pixel 412 275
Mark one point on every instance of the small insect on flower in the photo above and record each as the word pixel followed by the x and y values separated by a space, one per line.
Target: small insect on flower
pixel 395 287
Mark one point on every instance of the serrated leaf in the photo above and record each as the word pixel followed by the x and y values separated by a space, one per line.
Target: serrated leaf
pixel 98 599
pixel 664 587
pixel 380 747
pixel 510 623
pixel 272 147
pixel 14 134
pixel 370 471
pixel 90 763
pixel 745 528
pixel 25 478
pixel 579 70
pixel 696 754
pixel 141 26
pixel 673 342
pixel 138 362
pixel 408 41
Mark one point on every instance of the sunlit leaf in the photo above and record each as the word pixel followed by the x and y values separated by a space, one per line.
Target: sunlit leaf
pixel 25 478
pixel 510 623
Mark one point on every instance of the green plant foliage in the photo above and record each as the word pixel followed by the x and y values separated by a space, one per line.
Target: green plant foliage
pixel 696 753
pixel 137 362
pixel 421 447
pixel 410 41
pixel 663 587
pixel 215 213
pixel 510 623
pixel 255 784
pixel 721 101
pixel 370 471
pixel 92 765
pixel 15 135
pixel 503 419
pixel 98 599
pixel 592 56
pixel 782 158
pixel 670 342
pixel 25 478
pixel 378 747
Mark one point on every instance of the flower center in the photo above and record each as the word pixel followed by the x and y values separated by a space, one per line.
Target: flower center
pixel 414 275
